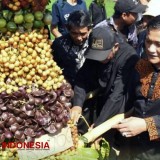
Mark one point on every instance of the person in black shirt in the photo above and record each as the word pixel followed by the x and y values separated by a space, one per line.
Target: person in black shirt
pixel 97 11
pixel 68 50
pixel 143 129
pixel 109 66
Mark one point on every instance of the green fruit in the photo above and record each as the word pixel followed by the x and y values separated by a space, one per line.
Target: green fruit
pixel 47 19
pixel 11 26
pixel 38 24
pixel 3 30
pixel 18 19
pixel 29 18
pixel 2 23
pixel 38 15
pixel 28 25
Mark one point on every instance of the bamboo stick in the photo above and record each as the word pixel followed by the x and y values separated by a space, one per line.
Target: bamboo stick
pixel 93 134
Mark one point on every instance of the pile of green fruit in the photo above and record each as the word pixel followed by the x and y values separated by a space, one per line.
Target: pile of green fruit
pixel 23 20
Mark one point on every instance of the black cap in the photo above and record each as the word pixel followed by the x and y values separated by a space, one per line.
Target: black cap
pixel 129 6
pixel 101 42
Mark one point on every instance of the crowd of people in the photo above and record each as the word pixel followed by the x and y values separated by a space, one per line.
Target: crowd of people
pixel 119 58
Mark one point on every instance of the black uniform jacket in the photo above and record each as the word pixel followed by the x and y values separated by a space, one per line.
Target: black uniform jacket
pixel 115 77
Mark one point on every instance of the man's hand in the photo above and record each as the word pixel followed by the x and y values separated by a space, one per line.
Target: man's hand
pixel 76 112
pixel 55 32
pixel 132 126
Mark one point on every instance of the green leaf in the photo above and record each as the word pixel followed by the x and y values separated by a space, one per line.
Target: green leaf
pixel 80 154
pixel 19 12
pixel 5 14
pixel 104 150
pixel 85 140
pixel 10 15
pixel 88 152
pixel 77 157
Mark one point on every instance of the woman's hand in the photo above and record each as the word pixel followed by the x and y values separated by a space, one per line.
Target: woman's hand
pixel 132 126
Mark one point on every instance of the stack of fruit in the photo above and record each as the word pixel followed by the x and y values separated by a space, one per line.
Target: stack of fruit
pixel 16 5
pixel 26 59
pixel 23 15
pixel 35 99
